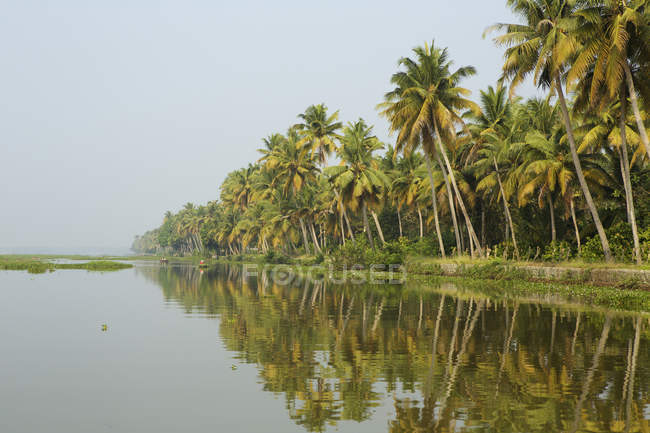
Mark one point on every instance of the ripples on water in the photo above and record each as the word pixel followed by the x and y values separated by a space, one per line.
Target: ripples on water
pixel 444 361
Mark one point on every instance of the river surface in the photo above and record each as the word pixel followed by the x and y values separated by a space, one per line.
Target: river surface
pixel 216 351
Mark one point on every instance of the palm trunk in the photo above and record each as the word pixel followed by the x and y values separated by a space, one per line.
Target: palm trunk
pixel 420 219
pixel 627 182
pixel 314 238
pixel 482 223
pixel 399 221
pixel 550 208
pixel 505 204
pixel 305 240
pixel 381 233
pixel 345 214
pixel 435 205
pixel 366 226
pixel 452 206
pixel 575 224
pixel 581 177
pixel 461 203
pixel 342 228
pixel 635 108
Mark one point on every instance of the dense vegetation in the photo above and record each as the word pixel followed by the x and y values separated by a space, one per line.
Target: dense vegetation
pixel 551 178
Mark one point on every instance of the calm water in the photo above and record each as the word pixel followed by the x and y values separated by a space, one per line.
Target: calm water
pixel 199 352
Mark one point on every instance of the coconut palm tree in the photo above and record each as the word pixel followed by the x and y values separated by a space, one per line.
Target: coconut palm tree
pixel 294 166
pixel 614 35
pixel 543 44
pixel 319 131
pixel 424 107
pixel 407 185
pixel 612 129
pixel 358 177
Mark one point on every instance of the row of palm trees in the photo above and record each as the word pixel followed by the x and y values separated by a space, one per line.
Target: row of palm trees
pixel 458 166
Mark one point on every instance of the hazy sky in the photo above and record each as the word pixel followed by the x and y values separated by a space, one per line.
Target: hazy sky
pixel 113 112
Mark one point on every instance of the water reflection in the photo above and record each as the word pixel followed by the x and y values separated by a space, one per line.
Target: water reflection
pixel 444 362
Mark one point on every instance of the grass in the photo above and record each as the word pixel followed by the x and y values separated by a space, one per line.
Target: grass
pixel 564 264
pixel 40 265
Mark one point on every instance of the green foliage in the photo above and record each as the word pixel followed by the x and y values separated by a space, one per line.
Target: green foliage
pixel 557 251
pixel 360 254
pixel 620 242
pixel 276 258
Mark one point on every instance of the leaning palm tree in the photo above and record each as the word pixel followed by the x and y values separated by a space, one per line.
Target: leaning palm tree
pixel 359 178
pixel 319 131
pixel 424 107
pixel 543 45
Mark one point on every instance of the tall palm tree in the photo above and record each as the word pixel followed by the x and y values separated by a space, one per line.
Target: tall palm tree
pixel 319 131
pixel 359 178
pixel 612 129
pixel 294 166
pixel 614 34
pixel 543 45
pixel 424 107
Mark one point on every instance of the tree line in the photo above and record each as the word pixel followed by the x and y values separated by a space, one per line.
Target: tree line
pixel 561 175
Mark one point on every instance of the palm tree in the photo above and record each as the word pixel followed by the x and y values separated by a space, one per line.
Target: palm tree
pixel 407 184
pixel 424 108
pixel 614 34
pixel 492 158
pixel 294 166
pixel 237 189
pixel 318 131
pixel 611 129
pixel 492 132
pixel 358 177
pixel 543 45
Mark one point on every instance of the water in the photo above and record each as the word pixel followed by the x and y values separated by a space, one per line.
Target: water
pixel 212 351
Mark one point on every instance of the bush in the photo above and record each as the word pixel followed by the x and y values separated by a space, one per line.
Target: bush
pixel 557 251
pixel 359 253
pixel 620 242
pixel 276 258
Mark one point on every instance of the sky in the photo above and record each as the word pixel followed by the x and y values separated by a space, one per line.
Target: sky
pixel 112 113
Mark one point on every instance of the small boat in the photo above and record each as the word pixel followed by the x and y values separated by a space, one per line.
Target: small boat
pixel 164 261
pixel 202 264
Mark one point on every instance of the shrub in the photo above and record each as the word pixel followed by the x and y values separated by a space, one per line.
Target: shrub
pixel 620 242
pixel 276 258
pixel 359 253
pixel 557 251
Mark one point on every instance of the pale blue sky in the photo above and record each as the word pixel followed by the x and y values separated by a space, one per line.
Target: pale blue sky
pixel 113 112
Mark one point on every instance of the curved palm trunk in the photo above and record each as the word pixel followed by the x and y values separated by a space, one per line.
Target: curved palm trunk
pixel 452 206
pixel 381 233
pixel 581 177
pixel 635 108
pixel 575 224
pixel 627 183
pixel 315 238
pixel 420 219
pixel 507 208
pixel 550 208
pixel 435 205
pixel 461 203
pixel 304 236
pixel 366 226
pixel 345 215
